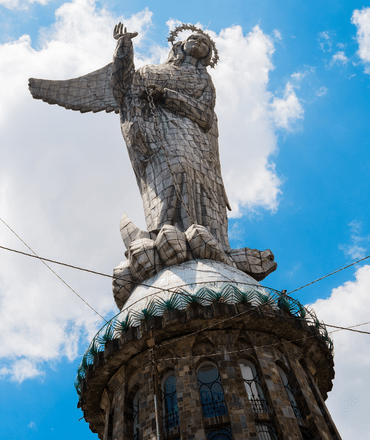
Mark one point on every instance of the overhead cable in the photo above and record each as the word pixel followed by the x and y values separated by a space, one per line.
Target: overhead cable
pixel 331 273
pixel 34 255
pixel 43 261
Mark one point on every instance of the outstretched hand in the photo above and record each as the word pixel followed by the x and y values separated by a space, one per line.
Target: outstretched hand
pixel 119 31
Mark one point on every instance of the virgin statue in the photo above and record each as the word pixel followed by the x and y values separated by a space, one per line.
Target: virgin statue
pixel 168 123
pixel 170 129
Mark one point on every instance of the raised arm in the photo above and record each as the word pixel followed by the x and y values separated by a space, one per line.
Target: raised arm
pixel 123 62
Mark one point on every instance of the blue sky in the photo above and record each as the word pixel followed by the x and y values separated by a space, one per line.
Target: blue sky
pixel 293 106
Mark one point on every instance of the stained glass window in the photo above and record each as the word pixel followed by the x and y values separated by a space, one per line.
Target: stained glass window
pixel 211 393
pixel 220 434
pixel 265 431
pixel 171 410
pixel 253 387
pixel 135 416
pixel 290 392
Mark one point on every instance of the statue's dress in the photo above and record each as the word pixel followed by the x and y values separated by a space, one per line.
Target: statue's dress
pixel 184 139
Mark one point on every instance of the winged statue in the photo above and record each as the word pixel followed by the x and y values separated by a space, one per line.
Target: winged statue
pixel 169 126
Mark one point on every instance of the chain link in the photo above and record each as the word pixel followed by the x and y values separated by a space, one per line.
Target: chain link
pixel 162 147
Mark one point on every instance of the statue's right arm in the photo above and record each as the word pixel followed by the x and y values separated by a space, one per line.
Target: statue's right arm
pixel 123 62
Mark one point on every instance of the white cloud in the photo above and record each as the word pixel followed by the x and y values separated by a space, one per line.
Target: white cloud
pixel 66 178
pixel 298 76
pixel 32 425
pixel 361 18
pixel 247 137
pixel 277 34
pixel 247 125
pixel 20 370
pixel 288 109
pixel 339 58
pixel 322 91
pixel 63 188
pixel 21 4
pixel 348 402
pixel 325 40
pixel 356 249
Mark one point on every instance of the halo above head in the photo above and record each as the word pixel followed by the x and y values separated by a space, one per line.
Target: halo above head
pixel 193 28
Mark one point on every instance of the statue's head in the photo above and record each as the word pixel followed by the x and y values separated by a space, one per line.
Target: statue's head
pixel 198 45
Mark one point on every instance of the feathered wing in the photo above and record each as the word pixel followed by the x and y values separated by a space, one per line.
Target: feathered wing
pixel 87 93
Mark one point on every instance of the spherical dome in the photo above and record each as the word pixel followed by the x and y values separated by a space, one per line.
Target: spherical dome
pixel 187 277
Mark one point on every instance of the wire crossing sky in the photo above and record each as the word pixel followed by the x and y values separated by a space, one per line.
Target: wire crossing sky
pixel 292 88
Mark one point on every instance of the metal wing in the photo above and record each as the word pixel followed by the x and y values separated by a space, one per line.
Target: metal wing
pixel 88 93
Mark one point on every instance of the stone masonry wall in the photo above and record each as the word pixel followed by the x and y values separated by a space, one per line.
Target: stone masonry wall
pixel 223 348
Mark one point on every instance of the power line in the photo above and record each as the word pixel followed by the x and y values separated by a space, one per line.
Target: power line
pixel 139 283
pixel 331 273
pixel 61 279
pixel 43 260
pixel 142 284
pixel 350 328
pixel 56 262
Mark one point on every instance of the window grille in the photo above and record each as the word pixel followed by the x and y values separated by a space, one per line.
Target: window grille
pixel 253 387
pixel 220 434
pixel 135 416
pixel 211 393
pixel 171 410
pixel 265 431
pixel 290 392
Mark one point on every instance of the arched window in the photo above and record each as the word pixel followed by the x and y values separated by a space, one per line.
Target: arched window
pixel 265 431
pixel 171 410
pixel 290 392
pixel 136 416
pixel 220 434
pixel 253 387
pixel 211 393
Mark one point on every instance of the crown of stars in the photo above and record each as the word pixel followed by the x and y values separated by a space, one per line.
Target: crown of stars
pixel 193 28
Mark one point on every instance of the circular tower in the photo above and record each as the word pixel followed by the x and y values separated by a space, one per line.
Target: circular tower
pixel 202 351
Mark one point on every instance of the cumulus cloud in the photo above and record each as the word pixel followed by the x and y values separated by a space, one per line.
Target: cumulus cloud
pixel 288 109
pixel 63 188
pixel 361 19
pixel 247 137
pixel 348 305
pixel 67 179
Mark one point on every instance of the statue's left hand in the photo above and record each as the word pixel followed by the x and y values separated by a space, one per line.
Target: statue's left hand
pixel 156 92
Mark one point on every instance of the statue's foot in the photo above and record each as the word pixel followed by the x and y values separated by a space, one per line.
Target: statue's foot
pixel 203 245
pixel 148 253
pixel 146 257
pixel 255 263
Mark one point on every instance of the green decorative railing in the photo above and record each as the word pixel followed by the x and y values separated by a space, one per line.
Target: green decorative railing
pixel 236 293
